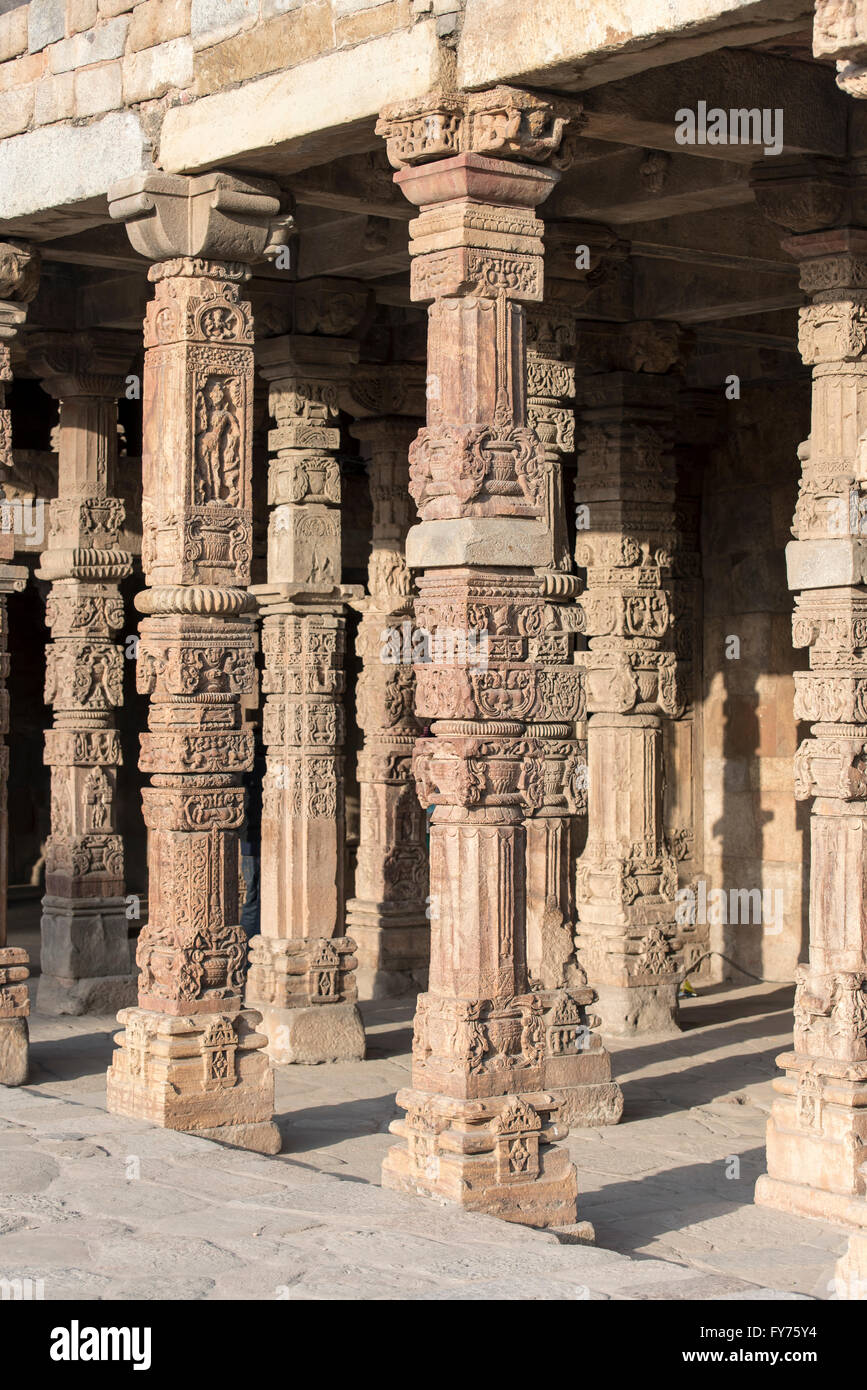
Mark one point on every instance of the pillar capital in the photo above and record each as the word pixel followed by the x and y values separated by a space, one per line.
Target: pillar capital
pixel 92 364
pixel 215 216
pixel 811 194
pixel 504 122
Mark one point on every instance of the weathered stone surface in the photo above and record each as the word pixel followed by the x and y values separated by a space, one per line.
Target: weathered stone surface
pixel 281 43
pixel 14 1064
pixel 312 1035
pixel 96 46
pixel 13 32
pixel 65 164
pixel 46 23
pixel 155 71
pixel 213 20
pixel 98 89
pixel 156 22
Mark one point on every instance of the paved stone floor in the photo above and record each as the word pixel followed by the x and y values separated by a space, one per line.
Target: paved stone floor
pixel 101 1207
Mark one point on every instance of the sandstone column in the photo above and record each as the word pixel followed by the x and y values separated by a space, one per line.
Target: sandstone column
pixel 818 1127
pixel 489 1052
pixel 551 828
pixel 19 278
pixel 389 915
pixel 189 1056
pixel 629 940
pixel 85 954
pixel 301 966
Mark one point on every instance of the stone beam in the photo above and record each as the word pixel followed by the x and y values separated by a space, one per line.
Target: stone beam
pixel 638 185
pixel 581 46
pixel 641 110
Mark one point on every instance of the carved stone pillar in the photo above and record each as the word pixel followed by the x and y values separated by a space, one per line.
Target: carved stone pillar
pixel 19 279
pixel 492 1056
pixel 190 1057
pixel 552 832
pixel 817 1133
pixel 302 965
pixel 629 940
pixel 85 955
pixel 389 915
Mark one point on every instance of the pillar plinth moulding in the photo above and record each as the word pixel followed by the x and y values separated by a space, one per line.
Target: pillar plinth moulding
pixel 19 279
pixel 491 1054
pixel 190 1056
pixel 388 916
pixel 817 1132
pixel 85 953
pixel 302 964
pixel 629 939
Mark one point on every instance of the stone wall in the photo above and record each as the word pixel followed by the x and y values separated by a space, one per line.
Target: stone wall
pixel 754 830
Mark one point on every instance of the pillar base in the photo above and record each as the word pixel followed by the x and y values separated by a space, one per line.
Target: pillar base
pixel 313 1034
pixel 393 951
pixel 14 1051
pixel 630 1011
pixel 85 956
pixel 495 1156
pixel 841 1208
pixel 14 1008
pixel 205 1074
pixel 101 994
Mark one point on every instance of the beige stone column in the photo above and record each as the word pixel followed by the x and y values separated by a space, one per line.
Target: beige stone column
pixel 189 1056
pixel 817 1133
pixel 491 1056
pixel 302 965
pixel 629 939
pixel 19 278
pixel 85 952
pixel 389 915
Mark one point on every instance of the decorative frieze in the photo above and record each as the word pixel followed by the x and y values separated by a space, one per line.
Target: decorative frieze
pixel 190 1056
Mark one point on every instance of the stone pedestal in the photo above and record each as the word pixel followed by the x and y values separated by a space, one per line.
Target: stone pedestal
pixel 190 1056
pixel 817 1133
pixel 302 961
pixel 492 1056
pixel 86 962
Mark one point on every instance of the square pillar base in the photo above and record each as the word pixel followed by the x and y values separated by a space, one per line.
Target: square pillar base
pixel 393 951
pixel 628 1011
pixel 205 1074
pixel 14 1051
pixel 582 1086
pixel 313 1034
pixel 497 1156
pixel 85 956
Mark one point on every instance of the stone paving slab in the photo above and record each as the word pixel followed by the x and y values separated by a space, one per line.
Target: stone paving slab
pixel 99 1206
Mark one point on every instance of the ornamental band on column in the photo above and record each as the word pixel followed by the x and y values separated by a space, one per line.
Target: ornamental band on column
pixel 189 1056
pixel 494 1056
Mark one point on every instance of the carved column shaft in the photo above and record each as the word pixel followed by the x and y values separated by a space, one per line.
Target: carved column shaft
pixel 86 964
pixel 818 1127
pixel 302 964
pixel 491 1057
pixel 388 914
pixel 629 939
pixel 189 1056
pixel 19 278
